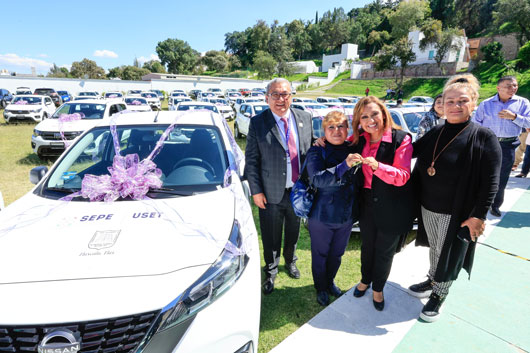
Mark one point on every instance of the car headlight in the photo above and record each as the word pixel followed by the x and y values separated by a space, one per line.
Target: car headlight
pixel 36 133
pixel 221 276
pixel 38 110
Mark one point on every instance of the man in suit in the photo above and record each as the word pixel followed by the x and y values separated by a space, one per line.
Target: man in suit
pixel 277 142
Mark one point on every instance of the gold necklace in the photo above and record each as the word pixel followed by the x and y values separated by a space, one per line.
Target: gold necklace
pixel 431 171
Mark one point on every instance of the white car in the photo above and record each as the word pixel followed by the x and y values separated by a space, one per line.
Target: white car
pixel 328 100
pixel 137 104
pixel 29 107
pixel 183 106
pixel 315 109
pixel 257 95
pixel 349 99
pixel 408 119
pixel 47 140
pixel 178 94
pixel 22 91
pixel 421 100
pixel 244 114
pixel 134 92
pixel 224 107
pixel 239 101
pixel 113 95
pixel 303 100
pixel 173 101
pixel 232 96
pixel 152 100
pixel 204 96
pixel 177 272
pixel 217 91
pixel 87 95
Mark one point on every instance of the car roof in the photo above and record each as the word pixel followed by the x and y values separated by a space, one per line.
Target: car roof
pixel 196 103
pixel 94 101
pixel 164 118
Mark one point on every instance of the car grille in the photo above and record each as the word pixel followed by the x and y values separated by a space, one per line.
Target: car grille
pixel 122 334
pixel 56 136
pixel 19 112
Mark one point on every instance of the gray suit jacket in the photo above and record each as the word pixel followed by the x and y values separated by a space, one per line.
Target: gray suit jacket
pixel 265 158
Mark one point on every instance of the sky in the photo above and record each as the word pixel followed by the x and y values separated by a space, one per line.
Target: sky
pixel 38 33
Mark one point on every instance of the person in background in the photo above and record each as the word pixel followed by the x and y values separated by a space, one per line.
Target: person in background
pixel 526 161
pixel 277 142
pixel 520 151
pixel 330 221
pixel 506 114
pixel 456 177
pixel 367 91
pixel 432 118
pixel 399 103
pixel 386 197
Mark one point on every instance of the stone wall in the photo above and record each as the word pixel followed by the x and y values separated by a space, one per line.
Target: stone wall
pixel 510 45
pixel 424 70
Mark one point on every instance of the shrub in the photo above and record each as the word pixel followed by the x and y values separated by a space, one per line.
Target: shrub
pixel 524 55
pixel 493 53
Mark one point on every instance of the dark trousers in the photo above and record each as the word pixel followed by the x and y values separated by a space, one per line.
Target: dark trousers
pixel 526 161
pixel 273 219
pixel 328 243
pixel 508 157
pixel 377 249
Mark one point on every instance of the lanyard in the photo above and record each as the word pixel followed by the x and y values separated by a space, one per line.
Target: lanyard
pixel 287 138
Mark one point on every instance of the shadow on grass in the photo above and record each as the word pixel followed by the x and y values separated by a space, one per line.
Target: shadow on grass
pixel 33 160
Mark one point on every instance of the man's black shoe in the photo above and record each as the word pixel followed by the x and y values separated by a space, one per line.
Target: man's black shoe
pixel 322 298
pixel 334 291
pixel 421 290
pixel 268 286
pixel 495 211
pixel 431 310
pixel 292 270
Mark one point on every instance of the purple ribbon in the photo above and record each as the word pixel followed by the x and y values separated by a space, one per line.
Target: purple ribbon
pixel 21 102
pixel 66 118
pixel 136 102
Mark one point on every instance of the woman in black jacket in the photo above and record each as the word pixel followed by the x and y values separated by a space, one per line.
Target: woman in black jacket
pixel 330 220
pixel 457 177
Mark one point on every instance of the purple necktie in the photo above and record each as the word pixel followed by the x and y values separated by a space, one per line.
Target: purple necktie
pixel 293 152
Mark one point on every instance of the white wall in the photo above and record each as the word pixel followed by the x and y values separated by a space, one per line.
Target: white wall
pixel 348 51
pixel 75 86
pixel 357 68
pixel 304 67
pixel 422 56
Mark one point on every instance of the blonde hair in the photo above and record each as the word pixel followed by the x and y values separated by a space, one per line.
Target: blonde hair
pixel 467 81
pixel 334 117
pixel 359 107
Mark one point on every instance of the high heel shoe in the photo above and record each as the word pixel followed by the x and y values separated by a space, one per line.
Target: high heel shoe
pixel 357 293
pixel 379 306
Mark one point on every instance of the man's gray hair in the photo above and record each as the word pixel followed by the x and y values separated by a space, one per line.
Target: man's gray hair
pixel 279 80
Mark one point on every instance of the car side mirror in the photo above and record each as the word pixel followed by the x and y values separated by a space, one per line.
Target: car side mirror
pixel 37 173
pixel 247 114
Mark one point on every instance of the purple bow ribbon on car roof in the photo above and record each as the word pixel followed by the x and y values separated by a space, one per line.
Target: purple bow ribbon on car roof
pixel 65 118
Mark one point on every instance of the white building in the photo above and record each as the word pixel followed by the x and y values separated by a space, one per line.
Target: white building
pixel 348 51
pixel 427 56
pixel 304 67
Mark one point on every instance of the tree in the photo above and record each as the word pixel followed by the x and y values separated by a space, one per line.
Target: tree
pixel 493 53
pixel 56 71
pixel 154 66
pixel 87 69
pixel 408 16
pixel 236 43
pixel 233 63
pixel 443 41
pixel 258 39
pixel 524 55
pixel 133 73
pixel 334 26
pixel 376 39
pixel 265 64
pixel 280 50
pixel 400 52
pixel 298 37
pixel 136 63
pixel 177 56
pixel 215 60
pixel 516 12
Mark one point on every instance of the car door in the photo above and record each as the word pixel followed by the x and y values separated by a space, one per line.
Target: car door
pixel 49 107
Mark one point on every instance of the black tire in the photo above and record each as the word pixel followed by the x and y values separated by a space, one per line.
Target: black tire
pixel 3 104
pixel 44 116
pixel 237 133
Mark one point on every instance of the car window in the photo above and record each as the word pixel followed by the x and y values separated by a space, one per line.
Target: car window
pixel 317 127
pixel 27 100
pixel 412 120
pixel 395 117
pixel 259 108
pixel 87 110
pixel 249 110
pixel 242 109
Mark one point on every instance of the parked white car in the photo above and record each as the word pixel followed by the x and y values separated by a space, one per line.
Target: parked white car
pixel 182 106
pixel 47 140
pixel 178 272
pixel 22 91
pixel 224 108
pixel 134 92
pixel 257 94
pixel 29 107
pixel 152 100
pixel 173 101
pixel 349 99
pixel 303 100
pixel 315 109
pixel 244 114
pixel 408 119
pixel 137 104
pixel 232 96
pixel 328 100
pixel 87 95
pixel 421 100
pixel 113 95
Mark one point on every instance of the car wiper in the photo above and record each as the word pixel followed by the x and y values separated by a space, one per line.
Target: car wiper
pixel 63 190
pixel 171 192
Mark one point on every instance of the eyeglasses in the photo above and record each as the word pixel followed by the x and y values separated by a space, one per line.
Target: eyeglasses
pixel 277 96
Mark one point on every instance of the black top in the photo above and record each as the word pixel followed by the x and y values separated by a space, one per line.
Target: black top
pixel 334 182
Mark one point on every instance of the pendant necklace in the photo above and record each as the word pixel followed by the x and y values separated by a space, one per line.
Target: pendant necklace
pixel 431 171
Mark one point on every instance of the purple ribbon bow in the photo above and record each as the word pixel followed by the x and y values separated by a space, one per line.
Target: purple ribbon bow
pixel 66 118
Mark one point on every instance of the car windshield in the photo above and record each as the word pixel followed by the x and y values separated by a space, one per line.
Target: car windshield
pixel 44 91
pixel 135 101
pixel 213 108
pixel 87 94
pixel 413 120
pixel 234 94
pixel 62 93
pixel 27 100
pixel 113 95
pixel 259 108
pixel 134 91
pixel 87 110
pixel 316 106
pixel 149 95
pixel 219 101
pixel 178 94
pixel 192 158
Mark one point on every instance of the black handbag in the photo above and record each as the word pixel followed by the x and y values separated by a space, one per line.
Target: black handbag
pixel 303 193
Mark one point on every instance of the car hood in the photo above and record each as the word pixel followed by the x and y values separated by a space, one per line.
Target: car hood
pixel 78 125
pixel 44 240
pixel 27 107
